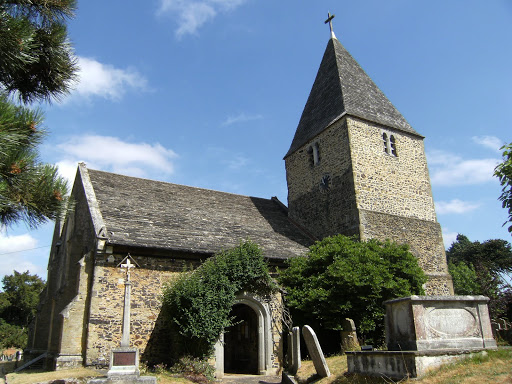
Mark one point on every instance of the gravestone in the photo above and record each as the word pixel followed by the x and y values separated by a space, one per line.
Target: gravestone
pixel 315 351
pixel 349 340
pixel 295 350
pixel 425 332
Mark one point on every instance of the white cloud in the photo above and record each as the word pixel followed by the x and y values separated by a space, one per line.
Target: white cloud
pixel 11 254
pixel 105 81
pixel 455 206
pixel 237 163
pixel 449 238
pixel 193 14
pixel 491 142
pixel 241 118
pixel 447 169
pixel 113 154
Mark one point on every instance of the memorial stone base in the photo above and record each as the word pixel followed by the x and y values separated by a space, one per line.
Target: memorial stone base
pixel 124 369
pixel 425 332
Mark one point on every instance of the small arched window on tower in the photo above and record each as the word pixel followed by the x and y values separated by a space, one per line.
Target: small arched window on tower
pixel 314 154
pixel 389 142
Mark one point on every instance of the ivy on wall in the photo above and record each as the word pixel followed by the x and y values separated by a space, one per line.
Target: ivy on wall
pixel 198 303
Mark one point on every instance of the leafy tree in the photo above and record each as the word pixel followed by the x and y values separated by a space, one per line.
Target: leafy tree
pixel 18 303
pixel 198 303
pixel 465 280
pixel 341 277
pixel 487 267
pixel 36 58
pixel 30 191
pixel 504 172
pixel 36 64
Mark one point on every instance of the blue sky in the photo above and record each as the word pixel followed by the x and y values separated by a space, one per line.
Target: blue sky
pixel 208 93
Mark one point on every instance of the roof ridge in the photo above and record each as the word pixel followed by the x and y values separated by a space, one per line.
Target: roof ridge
pixel 180 185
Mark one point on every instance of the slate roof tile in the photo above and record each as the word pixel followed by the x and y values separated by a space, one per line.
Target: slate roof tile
pixel 341 86
pixel 147 213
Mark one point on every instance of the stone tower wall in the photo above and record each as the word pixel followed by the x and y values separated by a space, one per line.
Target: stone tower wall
pixel 398 185
pixel 372 194
pixel 323 213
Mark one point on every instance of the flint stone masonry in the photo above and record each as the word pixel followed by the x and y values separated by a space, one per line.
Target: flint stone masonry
pixel 372 194
pixel 315 351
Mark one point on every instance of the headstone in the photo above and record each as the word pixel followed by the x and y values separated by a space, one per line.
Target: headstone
pixel 349 340
pixel 315 351
pixel 295 350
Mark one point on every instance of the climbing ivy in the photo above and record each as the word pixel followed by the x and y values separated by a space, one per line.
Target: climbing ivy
pixel 197 304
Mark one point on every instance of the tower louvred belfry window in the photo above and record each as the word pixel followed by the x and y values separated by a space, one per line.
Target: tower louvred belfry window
pixel 392 142
pixel 389 142
pixel 314 153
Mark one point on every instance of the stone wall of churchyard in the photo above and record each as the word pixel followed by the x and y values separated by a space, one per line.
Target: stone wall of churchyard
pixel 425 241
pixel 323 212
pixel 398 185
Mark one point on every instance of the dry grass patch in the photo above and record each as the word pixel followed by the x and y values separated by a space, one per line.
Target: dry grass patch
pixel 77 375
pixel 494 368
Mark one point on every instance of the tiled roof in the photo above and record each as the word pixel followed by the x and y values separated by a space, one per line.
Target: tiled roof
pixel 341 86
pixel 147 213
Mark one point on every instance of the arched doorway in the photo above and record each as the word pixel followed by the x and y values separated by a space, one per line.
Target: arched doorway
pixel 241 341
pixel 263 330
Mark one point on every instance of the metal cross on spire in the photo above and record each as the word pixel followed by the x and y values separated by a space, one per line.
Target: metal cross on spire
pixel 329 20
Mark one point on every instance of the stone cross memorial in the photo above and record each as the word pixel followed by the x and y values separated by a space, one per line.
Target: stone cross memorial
pixel 124 361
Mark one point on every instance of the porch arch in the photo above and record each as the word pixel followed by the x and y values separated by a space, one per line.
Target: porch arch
pixel 262 312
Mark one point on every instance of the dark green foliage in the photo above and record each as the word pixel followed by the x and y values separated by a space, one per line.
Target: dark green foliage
pixel 30 191
pixel 12 335
pixel 36 59
pixel 341 277
pixel 465 280
pixel 198 303
pixel 18 303
pixel 491 262
pixel 504 173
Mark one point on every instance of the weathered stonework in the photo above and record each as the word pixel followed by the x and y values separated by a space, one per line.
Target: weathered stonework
pixel 372 194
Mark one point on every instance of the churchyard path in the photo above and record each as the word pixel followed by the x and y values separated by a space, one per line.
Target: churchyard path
pixel 250 379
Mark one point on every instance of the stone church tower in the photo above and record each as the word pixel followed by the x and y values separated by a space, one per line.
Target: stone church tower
pixel 356 167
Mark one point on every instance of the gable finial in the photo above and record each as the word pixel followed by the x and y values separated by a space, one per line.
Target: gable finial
pixel 329 20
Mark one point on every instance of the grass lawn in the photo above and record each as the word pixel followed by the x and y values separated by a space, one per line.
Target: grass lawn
pixel 495 368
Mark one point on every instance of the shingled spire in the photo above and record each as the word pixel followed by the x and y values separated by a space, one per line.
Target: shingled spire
pixel 342 87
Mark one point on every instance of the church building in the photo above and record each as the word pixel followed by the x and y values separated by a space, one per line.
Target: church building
pixel 355 166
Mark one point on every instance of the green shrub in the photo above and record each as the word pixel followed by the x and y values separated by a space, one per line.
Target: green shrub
pixel 341 277
pixel 194 369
